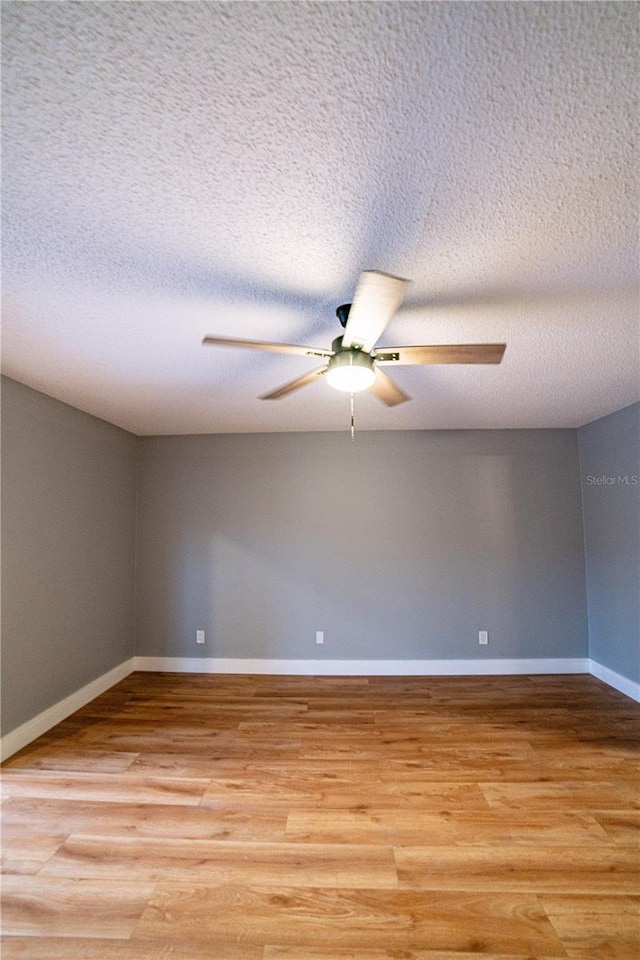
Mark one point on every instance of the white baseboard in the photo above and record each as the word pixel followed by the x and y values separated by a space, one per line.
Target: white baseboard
pixel 29 731
pixel 362 668
pixel 629 687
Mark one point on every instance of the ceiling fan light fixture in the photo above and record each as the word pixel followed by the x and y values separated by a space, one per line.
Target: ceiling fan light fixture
pixel 353 363
pixel 351 371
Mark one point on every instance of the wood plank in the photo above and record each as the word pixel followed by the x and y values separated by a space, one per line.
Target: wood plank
pixel 57 907
pixel 564 795
pixel 414 827
pixel 403 745
pixel 354 953
pixel 354 715
pixel 393 920
pixel 305 729
pixel 170 764
pixel 135 736
pixel 227 862
pixel 211 712
pixel 583 869
pixel 596 927
pixel 345 795
pixel 27 851
pixel 622 826
pixel 68 756
pixel 563 749
pixel 23 816
pixel 81 786
pixel 148 739
pixel 93 948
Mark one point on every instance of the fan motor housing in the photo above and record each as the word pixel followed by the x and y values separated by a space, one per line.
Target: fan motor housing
pixel 336 346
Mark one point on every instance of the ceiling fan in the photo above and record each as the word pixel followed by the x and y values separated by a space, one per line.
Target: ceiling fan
pixel 353 362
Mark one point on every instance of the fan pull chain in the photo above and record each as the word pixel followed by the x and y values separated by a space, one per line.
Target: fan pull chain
pixel 353 420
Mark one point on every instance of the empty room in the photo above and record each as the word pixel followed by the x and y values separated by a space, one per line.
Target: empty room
pixel 320 481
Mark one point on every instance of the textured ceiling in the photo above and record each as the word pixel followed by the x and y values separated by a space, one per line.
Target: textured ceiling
pixel 172 170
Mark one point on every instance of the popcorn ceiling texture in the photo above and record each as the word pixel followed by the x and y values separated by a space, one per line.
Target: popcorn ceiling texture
pixel 172 170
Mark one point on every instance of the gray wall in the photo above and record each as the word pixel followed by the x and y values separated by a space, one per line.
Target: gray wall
pixel 402 545
pixel 610 476
pixel 68 539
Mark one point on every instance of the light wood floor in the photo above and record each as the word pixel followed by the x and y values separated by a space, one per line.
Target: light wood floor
pixel 310 818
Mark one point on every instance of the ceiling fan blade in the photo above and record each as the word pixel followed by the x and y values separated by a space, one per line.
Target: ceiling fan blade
pixel 264 345
pixel 294 384
pixel 442 353
pixel 376 300
pixel 386 390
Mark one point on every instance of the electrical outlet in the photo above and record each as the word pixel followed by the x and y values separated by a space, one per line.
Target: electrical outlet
pixel 199 636
pixel 483 637
pixel 319 636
